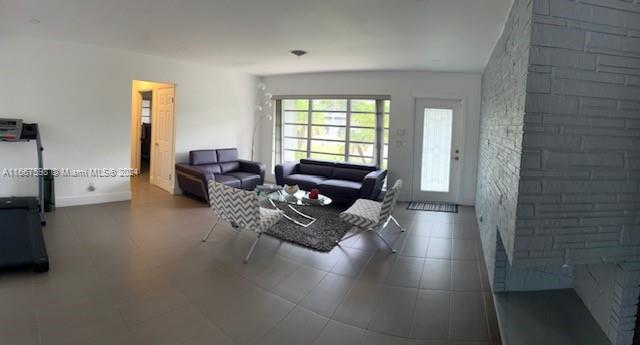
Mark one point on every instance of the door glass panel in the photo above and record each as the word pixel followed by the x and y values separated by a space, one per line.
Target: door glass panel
pixel 436 150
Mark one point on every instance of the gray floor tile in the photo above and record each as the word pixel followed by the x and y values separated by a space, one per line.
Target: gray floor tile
pixel 301 326
pixel 373 338
pixel 406 272
pixel 352 262
pixel 465 276
pixel 358 306
pixel 142 307
pixel 327 295
pixel 436 274
pixel 19 331
pixel 468 317
pixel 441 230
pixel 379 267
pixel 415 246
pixel 431 317
pixel 464 250
pixel 394 311
pixel 439 248
pixel 338 333
pixel 175 327
pixel 296 286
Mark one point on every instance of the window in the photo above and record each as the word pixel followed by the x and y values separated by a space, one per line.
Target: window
pixel 344 130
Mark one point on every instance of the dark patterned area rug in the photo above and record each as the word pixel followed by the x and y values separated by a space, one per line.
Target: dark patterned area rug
pixel 433 206
pixel 321 235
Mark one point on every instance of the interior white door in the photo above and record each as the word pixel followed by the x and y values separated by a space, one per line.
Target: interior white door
pixel 437 157
pixel 161 169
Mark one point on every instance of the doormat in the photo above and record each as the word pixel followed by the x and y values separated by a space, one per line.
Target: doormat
pixel 432 206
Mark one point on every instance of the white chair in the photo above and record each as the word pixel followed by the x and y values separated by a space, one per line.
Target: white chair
pixel 369 215
pixel 242 210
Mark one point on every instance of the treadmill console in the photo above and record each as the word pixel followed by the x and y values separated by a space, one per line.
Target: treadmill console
pixel 10 130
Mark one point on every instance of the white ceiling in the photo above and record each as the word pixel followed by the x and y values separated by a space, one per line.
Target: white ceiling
pixel 255 35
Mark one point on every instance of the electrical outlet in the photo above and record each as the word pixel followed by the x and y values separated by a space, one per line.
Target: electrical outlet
pixel 92 186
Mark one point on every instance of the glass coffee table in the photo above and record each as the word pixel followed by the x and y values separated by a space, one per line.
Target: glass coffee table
pixel 300 198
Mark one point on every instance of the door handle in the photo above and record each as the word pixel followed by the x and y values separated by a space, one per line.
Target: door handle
pixel 156 144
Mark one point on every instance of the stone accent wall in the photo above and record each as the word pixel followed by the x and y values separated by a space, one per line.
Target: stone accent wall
pixel 504 83
pixel 508 277
pixel 579 198
pixel 558 195
pixel 610 291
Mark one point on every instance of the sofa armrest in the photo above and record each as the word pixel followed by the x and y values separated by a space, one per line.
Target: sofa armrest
pixel 193 180
pixel 253 167
pixel 372 184
pixel 283 170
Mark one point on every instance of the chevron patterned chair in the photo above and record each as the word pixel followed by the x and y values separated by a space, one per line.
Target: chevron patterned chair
pixel 241 209
pixel 369 215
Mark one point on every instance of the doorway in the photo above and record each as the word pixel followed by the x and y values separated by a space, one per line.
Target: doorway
pixel 438 142
pixel 152 132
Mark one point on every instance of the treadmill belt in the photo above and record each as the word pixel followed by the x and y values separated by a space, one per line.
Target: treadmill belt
pixel 21 240
pixel 15 238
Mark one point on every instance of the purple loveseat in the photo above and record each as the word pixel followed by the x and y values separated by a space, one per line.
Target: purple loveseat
pixel 221 165
pixel 342 182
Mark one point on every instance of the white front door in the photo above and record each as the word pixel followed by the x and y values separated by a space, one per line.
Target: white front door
pixel 437 157
pixel 161 170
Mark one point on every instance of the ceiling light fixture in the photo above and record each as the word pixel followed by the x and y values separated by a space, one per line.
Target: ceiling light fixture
pixel 34 21
pixel 298 52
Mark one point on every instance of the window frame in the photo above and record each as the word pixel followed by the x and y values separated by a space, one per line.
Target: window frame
pixel 379 127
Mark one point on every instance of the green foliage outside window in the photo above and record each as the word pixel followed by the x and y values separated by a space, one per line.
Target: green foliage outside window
pixel 329 129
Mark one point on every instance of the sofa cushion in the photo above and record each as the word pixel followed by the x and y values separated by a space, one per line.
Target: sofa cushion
pixel 318 168
pixel 229 181
pixel 350 174
pixel 305 182
pixel 341 189
pixel 199 170
pixel 247 180
pixel 200 157
pixel 229 166
pixel 317 162
pixel 360 166
pixel 227 155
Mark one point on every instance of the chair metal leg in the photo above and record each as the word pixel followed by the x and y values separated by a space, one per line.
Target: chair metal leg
pixel 356 233
pixel 210 231
pixel 393 219
pixel 246 259
pixel 377 231
pixel 384 240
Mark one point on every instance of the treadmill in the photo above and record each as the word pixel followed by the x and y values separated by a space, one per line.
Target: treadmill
pixel 21 218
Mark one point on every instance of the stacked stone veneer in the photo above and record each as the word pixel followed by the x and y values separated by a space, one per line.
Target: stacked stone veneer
pixel 504 91
pixel 610 291
pixel 558 195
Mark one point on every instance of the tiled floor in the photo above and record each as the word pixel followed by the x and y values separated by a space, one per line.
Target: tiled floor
pixel 137 273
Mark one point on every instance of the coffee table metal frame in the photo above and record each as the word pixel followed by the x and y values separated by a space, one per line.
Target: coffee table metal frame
pixel 295 199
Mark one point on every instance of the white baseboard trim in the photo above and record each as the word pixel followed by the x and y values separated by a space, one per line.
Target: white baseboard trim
pixel 66 201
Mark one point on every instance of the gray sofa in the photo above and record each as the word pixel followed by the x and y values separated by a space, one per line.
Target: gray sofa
pixel 221 165
pixel 342 182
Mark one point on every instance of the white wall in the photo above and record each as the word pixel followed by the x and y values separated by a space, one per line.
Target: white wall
pixel 81 96
pixel 404 88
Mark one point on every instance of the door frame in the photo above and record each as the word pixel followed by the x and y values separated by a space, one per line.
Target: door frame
pixel 138 86
pixel 417 142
